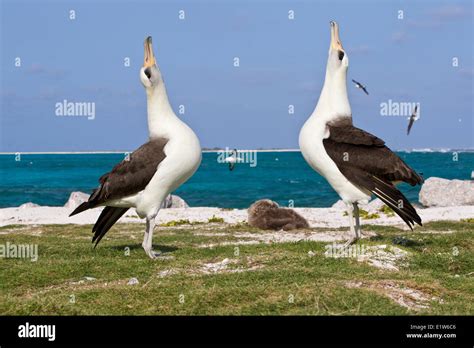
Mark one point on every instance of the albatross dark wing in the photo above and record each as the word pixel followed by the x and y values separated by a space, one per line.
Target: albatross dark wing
pixel 349 134
pixel 412 119
pixel 410 124
pixel 367 163
pixel 128 177
pixel 108 217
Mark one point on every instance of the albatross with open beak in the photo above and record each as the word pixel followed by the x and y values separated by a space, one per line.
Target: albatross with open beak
pixel 144 179
pixel 356 164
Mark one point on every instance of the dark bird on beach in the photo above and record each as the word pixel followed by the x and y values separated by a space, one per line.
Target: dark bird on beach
pixel 360 86
pixel 412 119
pixel 267 215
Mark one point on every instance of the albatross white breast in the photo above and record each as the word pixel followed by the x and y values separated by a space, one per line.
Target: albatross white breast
pixel 356 164
pixel 142 181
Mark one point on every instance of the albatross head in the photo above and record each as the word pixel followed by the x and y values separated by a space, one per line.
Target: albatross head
pixel 158 105
pixel 333 102
pixel 150 75
pixel 338 62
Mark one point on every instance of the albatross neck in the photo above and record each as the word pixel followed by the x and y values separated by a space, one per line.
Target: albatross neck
pixel 161 116
pixel 333 102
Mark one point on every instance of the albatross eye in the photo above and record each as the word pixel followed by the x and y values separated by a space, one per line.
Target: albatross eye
pixel 341 55
pixel 148 72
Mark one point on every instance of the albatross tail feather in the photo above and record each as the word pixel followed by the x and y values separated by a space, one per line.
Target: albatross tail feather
pixel 392 197
pixel 108 217
pixel 83 207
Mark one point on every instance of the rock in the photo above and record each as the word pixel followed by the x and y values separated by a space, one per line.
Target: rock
pixel 311 253
pixel 133 281
pixel 439 192
pixel 28 205
pixel 173 201
pixel 75 199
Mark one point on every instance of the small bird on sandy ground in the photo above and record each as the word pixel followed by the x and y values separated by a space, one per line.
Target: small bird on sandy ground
pixel 267 215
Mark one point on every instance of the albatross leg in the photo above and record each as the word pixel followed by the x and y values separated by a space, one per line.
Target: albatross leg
pixel 357 218
pixel 350 210
pixel 145 236
pixel 148 239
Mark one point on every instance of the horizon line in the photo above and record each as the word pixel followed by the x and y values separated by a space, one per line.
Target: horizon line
pixel 218 150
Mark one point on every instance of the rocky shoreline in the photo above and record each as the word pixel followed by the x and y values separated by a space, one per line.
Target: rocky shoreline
pixel 441 199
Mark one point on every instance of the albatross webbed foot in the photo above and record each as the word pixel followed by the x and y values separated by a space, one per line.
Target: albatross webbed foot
pixel 351 241
pixel 153 254
pixel 148 239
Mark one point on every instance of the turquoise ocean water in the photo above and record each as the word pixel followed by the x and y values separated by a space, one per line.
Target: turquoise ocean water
pixel 48 179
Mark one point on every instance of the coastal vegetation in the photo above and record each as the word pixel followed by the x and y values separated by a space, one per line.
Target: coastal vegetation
pixel 235 269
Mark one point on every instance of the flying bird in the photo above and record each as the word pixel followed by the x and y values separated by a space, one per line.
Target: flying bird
pixel 361 86
pixel 145 178
pixel 412 119
pixel 232 159
pixel 356 163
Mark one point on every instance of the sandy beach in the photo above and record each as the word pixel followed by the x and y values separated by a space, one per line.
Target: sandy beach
pixel 317 217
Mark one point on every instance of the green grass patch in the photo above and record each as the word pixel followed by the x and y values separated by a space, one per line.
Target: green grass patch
pixel 180 222
pixel 215 219
pixel 364 214
pixel 386 210
pixel 259 279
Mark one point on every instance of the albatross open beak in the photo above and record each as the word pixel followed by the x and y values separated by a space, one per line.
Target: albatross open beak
pixel 335 40
pixel 149 56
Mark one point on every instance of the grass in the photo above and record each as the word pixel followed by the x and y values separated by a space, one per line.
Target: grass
pixel 364 214
pixel 181 222
pixel 215 219
pixel 260 279
pixel 386 210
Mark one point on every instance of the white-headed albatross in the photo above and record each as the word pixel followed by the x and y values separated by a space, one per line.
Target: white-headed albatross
pixel 356 164
pixel 144 179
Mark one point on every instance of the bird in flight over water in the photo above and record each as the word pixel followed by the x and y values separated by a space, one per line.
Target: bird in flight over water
pixel 232 159
pixel 360 86
pixel 412 119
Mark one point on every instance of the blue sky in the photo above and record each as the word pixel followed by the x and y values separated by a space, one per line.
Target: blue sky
pixel 282 62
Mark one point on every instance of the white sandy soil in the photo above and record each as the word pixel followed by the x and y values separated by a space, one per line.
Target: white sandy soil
pixel 317 217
